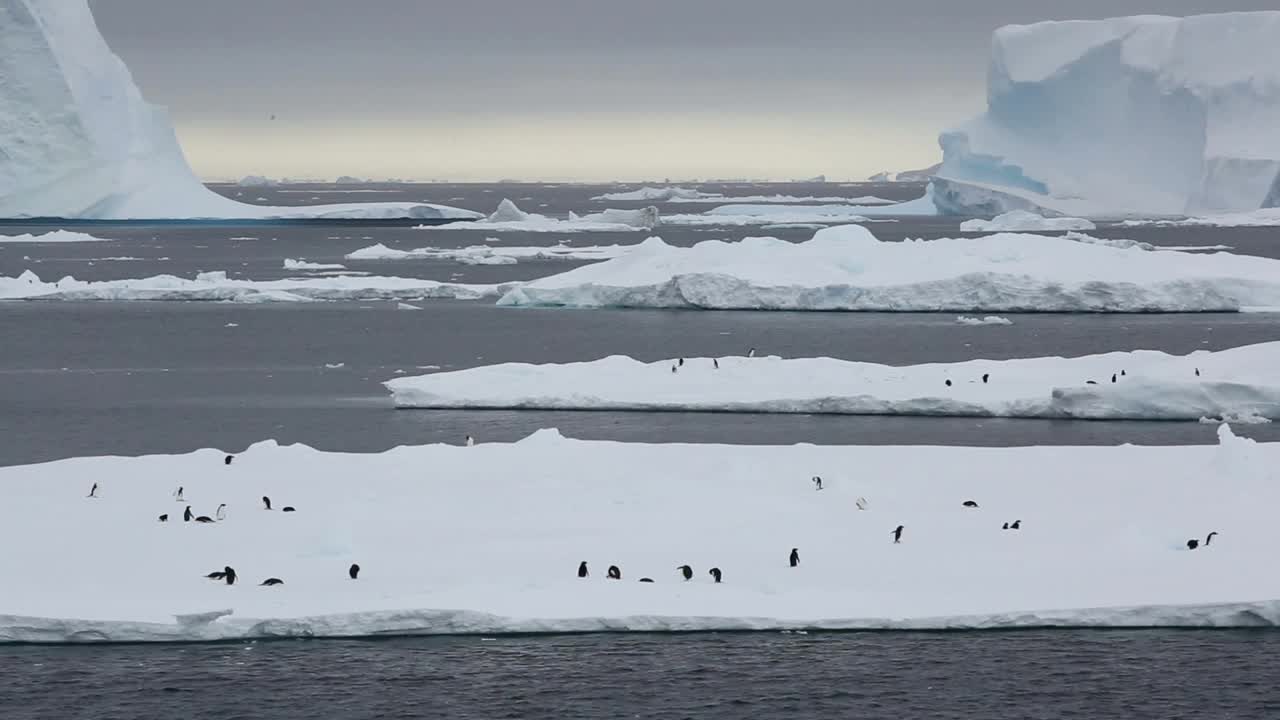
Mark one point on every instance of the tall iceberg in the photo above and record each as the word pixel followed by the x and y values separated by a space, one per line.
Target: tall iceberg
pixel 77 139
pixel 1143 115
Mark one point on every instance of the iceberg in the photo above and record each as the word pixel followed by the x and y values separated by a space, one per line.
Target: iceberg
pixel 1023 221
pixel 847 268
pixel 1147 385
pixel 1269 217
pixel 78 141
pixel 1146 116
pixel 510 218
pixel 291 264
pixel 772 214
pixel 54 237
pixel 217 287
pixel 492 254
pixel 1090 516
pixel 988 320
pixel 655 194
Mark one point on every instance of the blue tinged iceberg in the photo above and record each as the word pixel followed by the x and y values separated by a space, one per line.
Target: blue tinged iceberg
pixel 1134 116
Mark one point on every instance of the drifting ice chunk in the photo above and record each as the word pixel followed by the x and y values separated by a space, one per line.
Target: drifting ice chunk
pixel 508 217
pixel 1023 221
pixel 290 264
pixel 988 320
pixel 492 255
pixel 57 236
pixel 653 194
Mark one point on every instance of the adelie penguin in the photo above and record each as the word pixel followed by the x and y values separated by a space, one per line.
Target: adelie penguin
pixel 269 582
pixel 229 574
pixel 715 363
pixel 646 580
pixel 93 491
pixel 1017 525
pixel 794 559
pixel 1192 544
pixel 897 534
pixel 205 519
pixel 178 495
pixel 680 363
pixel 615 573
pixel 164 518
pixel 817 482
pixel 470 441
pixel 1209 538
pixel 970 504
pixel 187 515
pixel 751 353
pixel 354 571
pixel 985 378
pixel 266 503
pixel 217 575
pixel 686 572
pixel 221 514
pixel 227 460
pixel 582 569
pixel 715 573
pixel 948 383
pixel 1113 377
pixel 288 508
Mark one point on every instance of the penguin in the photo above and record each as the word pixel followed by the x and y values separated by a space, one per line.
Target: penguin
pixel 751 353
pixel 686 571
pixel 646 580
pixel 674 370
pixel 1113 378
pixel 354 571
pixel 1006 526
pixel 470 441
pixel 229 575
pixel 227 460
pixel 164 518
pixel 204 519
pixel 614 573
pixel 178 495
pixel 985 378
pixel 948 383
pixel 93 491
pixel 1209 538
pixel 681 363
pixel 1122 373
pixel 715 573
pixel 287 508
pixel 221 514
pixel 817 482
pixel 1193 544
pixel 1017 525
pixel 187 514
pixel 861 503
pixel 1090 382
pixel 266 502
pixel 897 535
pixel 270 582
pixel 970 504
pixel 582 569
pixel 1197 372
pixel 794 559
pixel 218 575
pixel 715 363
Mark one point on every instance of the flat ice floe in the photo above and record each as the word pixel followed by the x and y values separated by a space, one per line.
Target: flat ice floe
pixel 785 199
pixel 1140 385
pixel 510 218
pixel 492 254
pixel 847 268
pixel 217 287
pixel 1024 221
pixel 1268 217
pixel 988 320
pixel 55 237
pixel 656 194
pixel 291 264
pixel 487 539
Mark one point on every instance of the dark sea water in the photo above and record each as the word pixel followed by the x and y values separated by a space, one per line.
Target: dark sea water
pixel 132 378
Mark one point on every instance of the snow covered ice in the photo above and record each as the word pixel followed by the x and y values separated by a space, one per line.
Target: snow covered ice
pixel 79 141
pixel 291 264
pixel 988 320
pixel 492 255
pixel 1023 221
pixel 847 268
pixel 56 236
pixel 655 194
pixel 508 217
pixel 1090 515
pixel 774 214
pixel 1143 116
pixel 1153 386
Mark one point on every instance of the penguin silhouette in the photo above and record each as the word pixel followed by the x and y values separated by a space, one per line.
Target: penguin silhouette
pixel 217 575
pixel 715 363
pixel 1017 525
pixel 970 504
pixel 93 491
pixel 614 573
pixel 227 460
pixel 681 363
pixel 674 370
pixel 178 495
pixel 897 534
pixel 1193 544
pixel 686 571
pixel 269 582
pixel 1197 372
pixel 817 482
pixel 354 571
pixel 470 441
pixel 164 518
pixel 948 383
pixel 795 557
pixel 1090 382
pixel 287 508
pixel 1113 377
pixel 187 515
pixel 230 575
pixel 646 580
pixel 221 514
pixel 582 569
pixel 985 378
pixel 1006 526
pixel 204 519
pixel 751 353
pixel 1122 373
pixel 715 573
pixel 266 502
pixel 1209 538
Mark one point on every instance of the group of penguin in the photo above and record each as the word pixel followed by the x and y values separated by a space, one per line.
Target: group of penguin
pixel 228 575
pixel 715 363
pixel 615 573
pixel 987 377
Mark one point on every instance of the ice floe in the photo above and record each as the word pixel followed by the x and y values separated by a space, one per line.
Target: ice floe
pixel 509 218
pixel 291 264
pixel 492 255
pixel 1140 385
pixel 655 194
pixel 847 268
pixel 988 320
pixel 1024 221
pixel 511 522
pixel 56 236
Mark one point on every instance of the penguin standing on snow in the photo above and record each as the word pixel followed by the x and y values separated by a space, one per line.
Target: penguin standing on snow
pixel 164 518
pixel 354 571
pixel 970 504
pixel 948 383
pixel 985 378
pixel 1006 526
pixel 227 460
pixel 266 502
pixel 751 353
pixel 795 557
pixel 221 514
pixel 1017 525
pixel 1197 372
pixel 582 569
pixel 686 572
pixel 1113 378
pixel 897 534
pixel 1192 544
pixel 817 482
pixel 470 441
pixel 178 495
pixel 187 515
pixel 230 575
pixel 674 370
pixel 615 573
pixel 715 363
pixel 715 573
pixel 681 362
pixel 93 491
pixel 1209 538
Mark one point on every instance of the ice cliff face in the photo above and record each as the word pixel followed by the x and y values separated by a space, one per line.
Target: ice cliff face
pixel 1141 115
pixel 77 139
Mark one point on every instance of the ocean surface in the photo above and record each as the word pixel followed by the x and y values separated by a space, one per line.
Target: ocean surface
pixel 133 378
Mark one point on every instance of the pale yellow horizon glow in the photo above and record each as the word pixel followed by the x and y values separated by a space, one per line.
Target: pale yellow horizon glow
pixel 586 147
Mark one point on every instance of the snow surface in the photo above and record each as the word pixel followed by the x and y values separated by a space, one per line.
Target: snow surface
pixel 291 264
pixel 1023 221
pixel 492 255
pixel 768 214
pixel 1128 116
pixel 1156 386
pixel 1269 217
pixel 652 194
pixel 216 286
pixel 847 268
pixel 56 236
pixel 988 320
pixel 509 217
pixel 535 509
pixel 77 139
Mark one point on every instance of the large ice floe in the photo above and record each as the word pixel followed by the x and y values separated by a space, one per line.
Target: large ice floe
pixel 847 268
pixel 517 519
pixel 510 218
pixel 1141 385
pixel 77 139
pixel 775 214
pixel 217 287
pixel 1269 217
pixel 1023 221
pixel 1129 116
pixel 53 238
pixel 655 194
pixel 492 254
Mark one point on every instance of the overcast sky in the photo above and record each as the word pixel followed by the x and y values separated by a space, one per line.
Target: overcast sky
pixel 572 89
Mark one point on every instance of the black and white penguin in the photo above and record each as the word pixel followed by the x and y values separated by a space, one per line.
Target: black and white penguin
pixel 227 460
pixel 817 482
pixel 269 582
pixel 470 441
pixel 948 383
pixel 614 573
pixel 229 575
pixel 1113 377
pixel 582 569
pixel 970 504
pixel 686 572
pixel 164 518
pixel 861 503
pixel 794 559
pixel 1122 373
pixel 1193 544
pixel 985 378
pixel 646 580
pixel 354 571
pixel 204 519
pixel 217 575
pixel 287 508
pixel 1197 372
pixel 751 353
pixel 681 363
pixel 674 369
pixel 178 495
pixel 1090 382
pixel 93 491
pixel 715 363
pixel 266 502
pixel 1209 538
pixel 187 515
pixel 897 534
pixel 1017 525
pixel 221 514
pixel 1006 526
pixel 715 573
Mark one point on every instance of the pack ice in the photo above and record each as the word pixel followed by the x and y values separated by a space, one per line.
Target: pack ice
pixel 77 139
pixel 509 217
pixel 1129 116
pixel 847 268
pixel 488 539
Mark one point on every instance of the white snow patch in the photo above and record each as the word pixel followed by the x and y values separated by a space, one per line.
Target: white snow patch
pixel 786 199
pixel 988 320
pixel 1024 221
pixel 407 306
pixel 483 254
pixel 508 218
pixel 290 264
pixel 652 194
pixel 57 236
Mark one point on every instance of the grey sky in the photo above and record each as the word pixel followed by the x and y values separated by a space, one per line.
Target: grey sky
pixel 477 89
